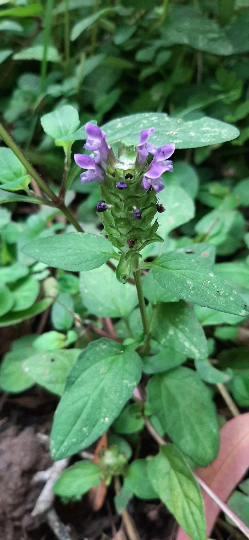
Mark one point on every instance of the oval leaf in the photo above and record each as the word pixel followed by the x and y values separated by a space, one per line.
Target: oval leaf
pixel 77 480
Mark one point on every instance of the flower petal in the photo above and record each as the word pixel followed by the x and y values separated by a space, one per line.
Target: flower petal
pixel 84 161
pixel 164 152
pixel 94 132
pixel 145 134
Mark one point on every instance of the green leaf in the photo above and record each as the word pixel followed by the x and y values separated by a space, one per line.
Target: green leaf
pixel 185 409
pixel 121 444
pixel 130 420
pixel 235 273
pixel 10 274
pixel 23 11
pixel 62 312
pixel 163 361
pixel 35 52
pixel 241 190
pixel 104 295
pixel 211 317
pixel 71 251
pixel 108 375
pixel 68 283
pixel 25 292
pixel 13 173
pixel 6 196
pixel 192 282
pixel 77 480
pixel 50 369
pixel 238 34
pixel 10 26
pixel 210 374
pixel 179 208
pixel 176 486
pixel 61 123
pixel 13 378
pixel 175 326
pixel 14 317
pixel 184 176
pixel 240 387
pixel 239 504
pixel 50 341
pixel 85 23
pixel 191 134
pixel 137 480
pixel 154 293
pixel 5 54
pixel 6 299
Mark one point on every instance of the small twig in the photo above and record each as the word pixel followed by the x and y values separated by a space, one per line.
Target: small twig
pixel 36 188
pixel 46 498
pixel 129 524
pixel 110 327
pixel 102 333
pixel 228 400
pixel 43 321
pixel 60 530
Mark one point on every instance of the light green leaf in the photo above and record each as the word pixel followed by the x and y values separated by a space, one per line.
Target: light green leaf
pixel 77 480
pixel 71 251
pixel 5 53
pixel 85 23
pixel 191 134
pixel 10 26
pixel 108 375
pixel 14 317
pixel 6 196
pixel 5 217
pixel 50 369
pixel 62 312
pixel 61 122
pixel 23 11
pixel 104 295
pixel 25 292
pixel 211 317
pixel 226 229
pixel 163 361
pixel 175 326
pixel 13 173
pixel 184 176
pixel 35 52
pixel 193 283
pixel 6 299
pixel 235 273
pixel 239 504
pixel 137 481
pixel 242 190
pixel 179 208
pixel 121 444
pixel 13 378
pixel 210 374
pixel 176 486
pixel 12 273
pixel 130 420
pixel 50 341
pixel 154 293
pixel 185 409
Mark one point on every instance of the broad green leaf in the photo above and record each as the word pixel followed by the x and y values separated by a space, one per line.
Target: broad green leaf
pixel 191 134
pixel 85 23
pixel 225 228
pixel 77 480
pixel 61 122
pixel 68 283
pixel 23 11
pixel 175 484
pixel 104 295
pixel 14 317
pixel 5 53
pixel 5 217
pixel 50 341
pixel 210 374
pixel 203 253
pixel 35 52
pixel 242 191
pixel 108 374
pixel 6 299
pixel 154 293
pixel 175 326
pixel 163 361
pixel 137 481
pixel 226 333
pixel 185 409
pixel 71 251
pixel 25 292
pixel 13 377
pixel 211 317
pixel 185 25
pixel 130 420
pixel 121 500
pixel 179 208
pixel 10 26
pixel 6 196
pixel 234 273
pixel 184 175
pixel 238 34
pixel 13 173
pixel 50 369
pixel 62 312
pixel 240 388
pixel 193 283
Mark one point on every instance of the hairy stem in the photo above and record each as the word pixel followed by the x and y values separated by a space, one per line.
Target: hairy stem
pixel 141 302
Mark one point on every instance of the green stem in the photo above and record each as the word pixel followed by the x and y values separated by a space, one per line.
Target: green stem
pixel 63 188
pixel 30 169
pixel 47 29
pixel 165 11
pixel 141 302
pixel 67 37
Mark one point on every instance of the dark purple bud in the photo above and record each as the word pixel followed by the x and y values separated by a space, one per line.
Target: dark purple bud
pixel 101 206
pixel 121 185
pixel 128 176
pixel 131 242
pixel 137 214
pixel 160 208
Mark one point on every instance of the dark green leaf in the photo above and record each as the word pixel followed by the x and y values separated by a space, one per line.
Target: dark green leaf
pixel 137 481
pixel 77 480
pixel 6 299
pixel 163 361
pixel 130 420
pixel 18 316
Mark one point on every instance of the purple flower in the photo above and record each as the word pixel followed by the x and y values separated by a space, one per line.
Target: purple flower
pixel 164 152
pixel 137 214
pixel 101 206
pixel 93 172
pixel 158 166
pixel 144 148
pixel 96 143
pixel 121 185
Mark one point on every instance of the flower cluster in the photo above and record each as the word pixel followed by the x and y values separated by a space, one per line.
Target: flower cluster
pixel 95 164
